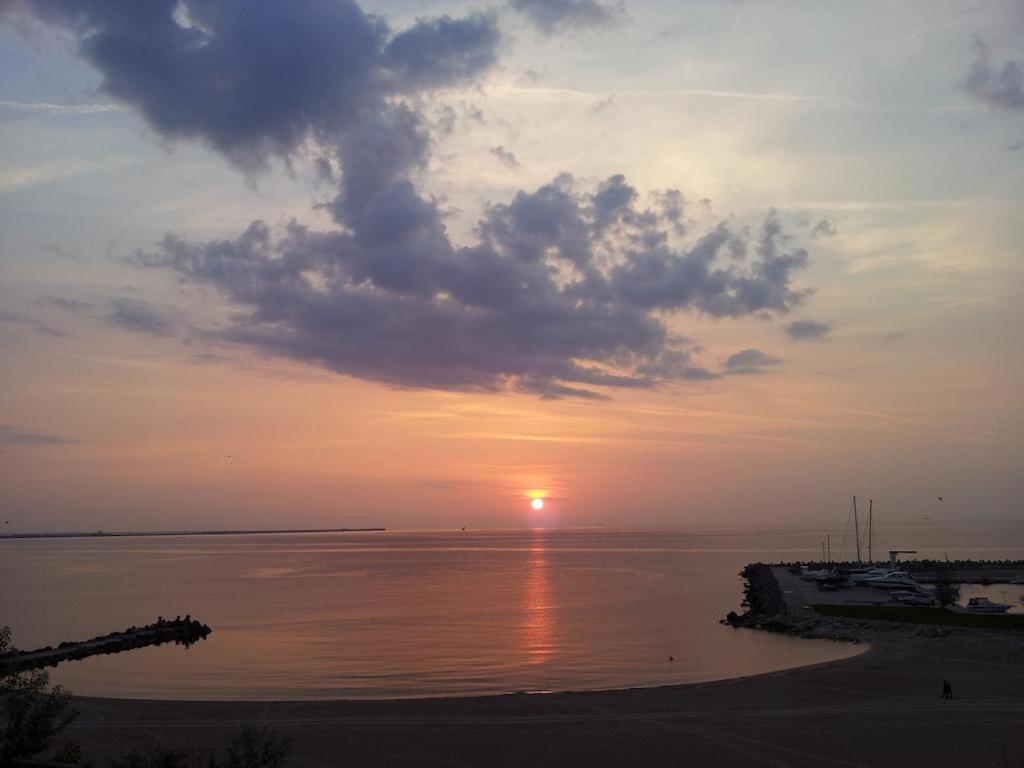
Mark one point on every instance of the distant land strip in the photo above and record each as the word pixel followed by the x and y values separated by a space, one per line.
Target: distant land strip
pixel 98 534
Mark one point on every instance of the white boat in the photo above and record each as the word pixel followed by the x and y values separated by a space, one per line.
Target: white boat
pixel 893 580
pixel 912 598
pixel 984 605
pixel 861 575
pixel 806 574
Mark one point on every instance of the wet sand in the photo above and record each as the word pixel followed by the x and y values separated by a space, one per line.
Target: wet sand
pixel 880 708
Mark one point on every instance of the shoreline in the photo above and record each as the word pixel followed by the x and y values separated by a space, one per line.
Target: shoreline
pixel 863 648
pixel 807 715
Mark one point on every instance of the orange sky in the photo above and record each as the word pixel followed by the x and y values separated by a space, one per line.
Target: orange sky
pixel 913 392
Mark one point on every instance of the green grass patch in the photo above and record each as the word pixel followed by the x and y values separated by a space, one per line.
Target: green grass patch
pixel 924 616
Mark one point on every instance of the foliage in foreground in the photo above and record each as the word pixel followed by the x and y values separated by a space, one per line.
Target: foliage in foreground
pixel 256 748
pixel 252 748
pixel 32 713
pixel 947 593
pixel 938 616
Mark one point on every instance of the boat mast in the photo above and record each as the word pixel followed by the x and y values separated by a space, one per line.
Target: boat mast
pixel 828 544
pixel 856 527
pixel 871 509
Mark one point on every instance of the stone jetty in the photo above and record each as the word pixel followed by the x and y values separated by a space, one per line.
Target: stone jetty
pixel 181 631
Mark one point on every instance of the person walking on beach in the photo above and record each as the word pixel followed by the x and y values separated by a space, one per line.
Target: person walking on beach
pixel 947 690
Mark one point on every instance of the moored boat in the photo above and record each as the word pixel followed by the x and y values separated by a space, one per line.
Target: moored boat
pixel 912 598
pixel 861 575
pixel 894 580
pixel 984 605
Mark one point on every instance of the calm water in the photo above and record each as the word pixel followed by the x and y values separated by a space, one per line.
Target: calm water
pixel 417 614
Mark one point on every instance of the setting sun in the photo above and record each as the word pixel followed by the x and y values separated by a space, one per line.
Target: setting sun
pixel 537 504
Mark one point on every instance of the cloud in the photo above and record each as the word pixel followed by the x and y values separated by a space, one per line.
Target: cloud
pixel 56 250
pixel 659 277
pixel 41 328
pixel 750 361
pixel 256 80
pixel 68 305
pixel 824 228
pixel 801 330
pixel 552 16
pixel 59 109
pixel 602 106
pixel 562 291
pixel 442 52
pixel 16 177
pixel 506 157
pixel 1000 87
pixel 11 435
pixel 139 316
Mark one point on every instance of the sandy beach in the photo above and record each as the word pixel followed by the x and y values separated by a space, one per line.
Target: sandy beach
pixel 880 708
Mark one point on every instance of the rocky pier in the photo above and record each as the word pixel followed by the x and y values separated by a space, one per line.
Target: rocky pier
pixel 181 631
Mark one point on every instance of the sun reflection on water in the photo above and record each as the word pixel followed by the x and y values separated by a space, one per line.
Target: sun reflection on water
pixel 538 608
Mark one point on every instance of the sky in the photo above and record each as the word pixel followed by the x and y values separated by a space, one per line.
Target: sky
pixel 413 264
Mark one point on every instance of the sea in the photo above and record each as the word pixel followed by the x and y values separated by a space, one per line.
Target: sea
pixel 404 614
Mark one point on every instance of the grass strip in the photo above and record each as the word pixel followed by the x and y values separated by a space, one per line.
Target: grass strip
pixel 911 615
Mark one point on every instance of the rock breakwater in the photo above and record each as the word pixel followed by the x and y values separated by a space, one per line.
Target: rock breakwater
pixel 181 631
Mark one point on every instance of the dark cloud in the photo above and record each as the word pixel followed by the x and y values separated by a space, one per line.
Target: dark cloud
pixel 657 276
pixel 999 86
pixel 506 157
pixel 824 228
pixel 750 361
pixel 552 16
pixel 139 316
pixel 562 292
pixel 441 52
pixel 801 330
pixel 11 435
pixel 255 80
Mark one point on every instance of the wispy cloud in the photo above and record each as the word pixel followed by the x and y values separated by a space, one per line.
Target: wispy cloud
pixel 12 435
pixel 507 158
pixel 139 316
pixel 824 228
pixel 31 323
pixel 60 109
pixel 539 94
pixel 18 177
pixel 552 16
